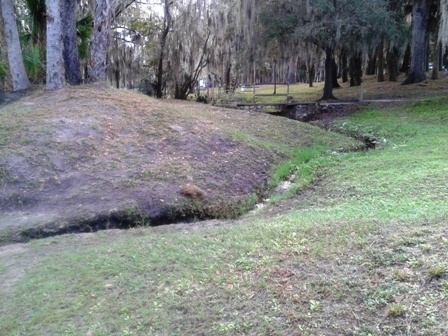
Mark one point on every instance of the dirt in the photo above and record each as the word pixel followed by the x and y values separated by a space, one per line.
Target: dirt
pixel 91 158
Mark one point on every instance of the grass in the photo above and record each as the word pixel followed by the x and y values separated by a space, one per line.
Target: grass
pixel 347 256
pixel 299 158
pixel 370 89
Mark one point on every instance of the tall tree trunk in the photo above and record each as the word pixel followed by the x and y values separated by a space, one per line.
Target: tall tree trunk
pixel 329 62
pixel 435 61
pixel 392 64
pixel 275 76
pixel 444 57
pixel 99 44
pixel 344 65
pixel 55 63
pixel 117 77
pixel 6 81
pixel 436 49
pixel 311 72
pixel 380 53
pixel 371 64
pixel 417 71
pixel 292 72
pixel 163 38
pixel 19 77
pixel 70 41
pixel 335 75
pixel 406 60
pixel 356 69
pixel 227 71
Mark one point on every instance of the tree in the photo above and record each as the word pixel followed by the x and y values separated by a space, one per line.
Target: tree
pixel 397 39
pixel 20 79
pixel 55 63
pixel 5 76
pixel 332 25
pixel 433 29
pixel 167 23
pixel 416 72
pixel 70 42
pixel 380 51
pixel 189 46
pixel 100 41
pixel 443 29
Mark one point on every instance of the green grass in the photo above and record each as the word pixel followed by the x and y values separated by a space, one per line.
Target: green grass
pixel 302 164
pixel 370 89
pixel 349 256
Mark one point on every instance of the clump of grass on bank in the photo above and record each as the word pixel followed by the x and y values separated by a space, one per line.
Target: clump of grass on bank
pixel 348 256
pixel 299 157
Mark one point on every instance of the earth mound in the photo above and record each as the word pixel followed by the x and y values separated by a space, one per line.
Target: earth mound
pixel 88 158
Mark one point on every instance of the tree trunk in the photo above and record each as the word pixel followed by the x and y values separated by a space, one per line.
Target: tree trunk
pixel 310 71
pixel 162 46
pixel 356 69
pixel 227 71
pixel 344 65
pixel 406 60
pixel 380 53
pixel 6 81
pixel 100 40
pixel 19 77
pixel 436 52
pixel 417 71
pixel 392 64
pixel 335 75
pixel 55 62
pixel 275 76
pixel 70 41
pixel 292 72
pixel 371 64
pixel 445 58
pixel 329 62
pixel 117 77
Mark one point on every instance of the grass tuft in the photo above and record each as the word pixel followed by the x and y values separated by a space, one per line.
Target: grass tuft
pixel 395 310
pixel 436 271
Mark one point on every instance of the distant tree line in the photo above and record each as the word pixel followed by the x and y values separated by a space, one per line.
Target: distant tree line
pixel 166 46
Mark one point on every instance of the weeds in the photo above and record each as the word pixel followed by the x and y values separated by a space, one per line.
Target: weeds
pixel 404 274
pixel 395 310
pixel 436 271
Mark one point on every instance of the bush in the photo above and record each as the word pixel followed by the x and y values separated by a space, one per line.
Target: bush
pixel 33 56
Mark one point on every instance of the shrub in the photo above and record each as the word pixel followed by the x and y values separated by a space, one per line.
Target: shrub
pixel 33 56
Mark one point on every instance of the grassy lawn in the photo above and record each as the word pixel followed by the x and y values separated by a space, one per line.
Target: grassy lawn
pixel 370 89
pixel 362 251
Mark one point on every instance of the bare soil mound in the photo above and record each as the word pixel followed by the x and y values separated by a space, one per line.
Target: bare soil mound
pixel 88 158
